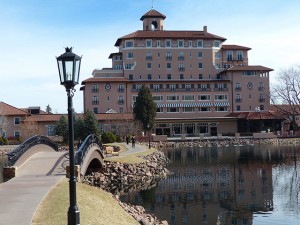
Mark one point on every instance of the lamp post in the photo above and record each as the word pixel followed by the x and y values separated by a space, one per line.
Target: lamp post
pixel 69 68
pixel 148 126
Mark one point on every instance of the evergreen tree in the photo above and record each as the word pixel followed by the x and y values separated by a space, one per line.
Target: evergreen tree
pixel 144 109
pixel 90 124
pixel 79 129
pixel 61 128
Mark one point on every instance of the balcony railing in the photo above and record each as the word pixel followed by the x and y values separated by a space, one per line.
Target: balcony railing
pixel 95 102
pixel 204 89
pixel 235 59
pixel 169 58
pixel 121 102
pixel 120 90
pixel 261 88
pixel 95 90
pixel 261 99
pixel 180 58
pixel 238 88
pixel 148 58
pixel 220 89
pixel 181 69
pixel 238 100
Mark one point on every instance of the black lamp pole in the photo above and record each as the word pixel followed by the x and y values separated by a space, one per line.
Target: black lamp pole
pixel 149 135
pixel 69 68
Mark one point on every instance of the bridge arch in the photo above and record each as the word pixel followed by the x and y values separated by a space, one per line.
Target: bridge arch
pixel 90 155
pixel 30 147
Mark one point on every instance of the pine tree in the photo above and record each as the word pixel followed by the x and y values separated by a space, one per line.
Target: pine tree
pixel 144 109
pixel 48 109
pixel 61 128
pixel 90 124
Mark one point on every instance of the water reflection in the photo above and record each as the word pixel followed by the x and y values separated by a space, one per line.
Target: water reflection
pixel 227 186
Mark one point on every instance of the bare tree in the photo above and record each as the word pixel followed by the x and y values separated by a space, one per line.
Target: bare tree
pixel 30 129
pixel 285 94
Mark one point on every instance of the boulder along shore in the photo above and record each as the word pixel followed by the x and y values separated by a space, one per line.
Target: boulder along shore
pixel 119 178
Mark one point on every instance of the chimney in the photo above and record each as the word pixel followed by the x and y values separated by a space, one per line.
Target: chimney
pixel 205 30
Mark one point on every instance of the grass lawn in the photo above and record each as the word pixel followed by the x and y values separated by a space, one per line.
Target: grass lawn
pixel 96 207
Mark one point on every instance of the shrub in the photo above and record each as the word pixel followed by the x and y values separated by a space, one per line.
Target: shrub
pixel 108 137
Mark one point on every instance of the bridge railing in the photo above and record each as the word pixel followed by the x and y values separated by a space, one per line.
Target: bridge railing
pixel 89 142
pixel 15 154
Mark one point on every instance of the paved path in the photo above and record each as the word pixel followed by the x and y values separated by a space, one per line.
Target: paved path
pixel 21 196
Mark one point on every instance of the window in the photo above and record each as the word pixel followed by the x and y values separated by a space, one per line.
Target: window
pixel 169 77
pixel 17 134
pixel 129 55
pixel 95 100
pixel 240 55
pixel 190 44
pixel 128 44
pixel 221 109
pixel 200 66
pixel 149 65
pixel 200 76
pixel 216 44
pixel 118 57
pixel 168 43
pixel 158 98
pixel 181 56
pixel 95 88
pixel 188 109
pixel 181 76
pixel 149 43
pixel 169 65
pixel 188 97
pixel 130 76
pixel 238 98
pixel 120 100
pixel 149 77
pixel 204 109
pixel 118 67
pixel 17 121
pixel 172 97
pixel 229 55
pixel 159 110
pixel 199 54
pixel 238 87
pixel 51 130
pixel 199 43
pixel 172 109
pixel 129 66
pixel 158 43
pixel 217 55
pixel 95 110
pixel 204 97
pixel 180 43
pixel 238 108
pixel 220 97
pixel 120 88
pixel 249 73
pixel 121 110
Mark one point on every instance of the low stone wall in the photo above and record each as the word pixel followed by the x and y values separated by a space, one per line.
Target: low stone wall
pixel 119 178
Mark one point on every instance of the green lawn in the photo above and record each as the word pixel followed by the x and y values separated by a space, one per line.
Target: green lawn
pixel 96 207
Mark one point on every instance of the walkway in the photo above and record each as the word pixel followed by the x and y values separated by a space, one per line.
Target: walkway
pixel 21 196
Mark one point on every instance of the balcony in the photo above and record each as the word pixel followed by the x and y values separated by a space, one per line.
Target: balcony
pixel 95 90
pixel 149 58
pixel 204 89
pixel 181 58
pixel 120 90
pixel 238 100
pixel 261 88
pixel 239 58
pixel 169 58
pixel 261 99
pixel 181 69
pixel 220 89
pixel 238 89
pixel 95 102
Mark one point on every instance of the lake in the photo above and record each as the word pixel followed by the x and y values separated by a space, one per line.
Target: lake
pixel 243 185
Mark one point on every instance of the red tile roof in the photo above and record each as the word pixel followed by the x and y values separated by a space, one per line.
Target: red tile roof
pixel 234 47
pixel 44 118
pixel 153 14
pixel 162 34
pixel 114 116
pixel 243 68
pixel 8 110
pixel 104 79
pixel 263 115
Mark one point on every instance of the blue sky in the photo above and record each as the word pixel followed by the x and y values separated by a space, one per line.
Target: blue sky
pixel 34 32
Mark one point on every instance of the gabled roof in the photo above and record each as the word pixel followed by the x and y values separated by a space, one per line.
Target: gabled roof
pixel 262 115
pixel 8 110
pixel 153 14
pixel 164 34
pixel 234 47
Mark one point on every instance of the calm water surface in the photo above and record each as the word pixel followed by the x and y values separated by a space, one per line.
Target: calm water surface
pixel 227 186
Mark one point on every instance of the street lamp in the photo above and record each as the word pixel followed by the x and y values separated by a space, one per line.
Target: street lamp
pixel 148 126
pixel 69 68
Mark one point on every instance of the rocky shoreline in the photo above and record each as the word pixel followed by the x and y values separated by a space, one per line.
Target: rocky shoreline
pixel 224 142
pixel 119 178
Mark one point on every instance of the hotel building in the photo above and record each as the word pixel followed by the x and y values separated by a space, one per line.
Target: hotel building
pixel 200 84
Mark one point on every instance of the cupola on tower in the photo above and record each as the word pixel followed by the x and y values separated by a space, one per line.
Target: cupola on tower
pixel 153 20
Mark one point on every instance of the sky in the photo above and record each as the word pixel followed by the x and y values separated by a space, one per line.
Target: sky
pixel 34 32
